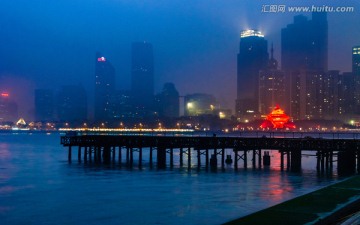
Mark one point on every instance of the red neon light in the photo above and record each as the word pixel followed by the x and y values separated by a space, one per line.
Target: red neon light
pixel 277 119
pixel 101 59
pixel 4 94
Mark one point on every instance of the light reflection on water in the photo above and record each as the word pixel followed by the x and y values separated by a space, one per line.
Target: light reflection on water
pixel 39 186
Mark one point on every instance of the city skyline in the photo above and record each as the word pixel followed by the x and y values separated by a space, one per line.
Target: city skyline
pixel 184 51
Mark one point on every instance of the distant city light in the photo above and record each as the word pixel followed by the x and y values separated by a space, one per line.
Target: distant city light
pixel 101 59
pixel 222 115
pixel 251 33
pixel 356 50
pixel 125 130
pixel 4 94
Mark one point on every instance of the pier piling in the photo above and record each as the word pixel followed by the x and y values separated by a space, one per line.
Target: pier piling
pixel 161 157
pixel 69 154
pixel 102 149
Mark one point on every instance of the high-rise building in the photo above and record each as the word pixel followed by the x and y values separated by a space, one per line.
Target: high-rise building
pixel 8 109
pixel 44 105
pixel 142 74
pixel 252 57
pixel 356 74
pixel 271 87
pixel 121 107
pixel 346 90
pixel 104 88
pixel 315 95
pixel 72 104
pixel 356 60
pixel 168 102
pixel 304 44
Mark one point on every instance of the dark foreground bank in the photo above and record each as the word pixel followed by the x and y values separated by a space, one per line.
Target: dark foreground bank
pixel 325 206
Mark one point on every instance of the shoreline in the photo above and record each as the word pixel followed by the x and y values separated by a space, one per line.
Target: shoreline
pixel 323 206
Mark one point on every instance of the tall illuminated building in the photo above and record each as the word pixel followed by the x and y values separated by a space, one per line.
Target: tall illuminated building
pixel 104 88
pixel 142 74
pixel 44 105
pixel 271 87
pixel 304 58
pixel 356 75
pixel 356 60
pixel 252 57
pixel 315 95
pixel 304 44
pixel 8 109
pixel 346 87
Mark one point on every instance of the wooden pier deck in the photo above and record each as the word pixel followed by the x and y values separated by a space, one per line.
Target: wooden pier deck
pixel 109 148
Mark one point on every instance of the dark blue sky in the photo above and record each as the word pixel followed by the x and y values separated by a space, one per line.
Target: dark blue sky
pixel 47 43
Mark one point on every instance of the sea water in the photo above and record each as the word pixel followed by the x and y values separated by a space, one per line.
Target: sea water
pixel 39 186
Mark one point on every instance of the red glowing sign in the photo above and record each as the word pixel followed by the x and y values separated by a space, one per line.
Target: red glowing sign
pixel 101 59
pixel 4 94
pixel 278 119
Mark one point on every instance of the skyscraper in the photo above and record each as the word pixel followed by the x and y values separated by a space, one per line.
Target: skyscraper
pixel 304 44
pixel 44 105
pixel 271 87
pixel 356 75
pixel 72 104
pixel 346 90
pixel 252 57
pixel 304 58
pixel 122 108
pixel 8 109
pixel 142 74
pixel 314 95
pixel 356 60
pixel 104 88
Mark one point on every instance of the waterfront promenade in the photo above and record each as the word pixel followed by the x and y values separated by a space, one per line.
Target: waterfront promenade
pixel 329 205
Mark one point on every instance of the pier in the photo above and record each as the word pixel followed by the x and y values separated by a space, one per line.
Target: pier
pixel 109 149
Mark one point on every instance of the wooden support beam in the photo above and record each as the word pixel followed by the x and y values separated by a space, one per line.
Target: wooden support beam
pixel 198 158
pixel 236 159
pixel 113 153
pixel 140 157
pixel 260 158
pixel 181 157
pixel 161 157
pixel 119 155
pixel 171 157
pixel 189 157
pixel 223 158
pixel 79 154
pixel 69 154
pixel 127 156
pixel 151 156
pixel 207 158
pixel 245 159
pixel 254 158
pixel 131 157
pixel 85 154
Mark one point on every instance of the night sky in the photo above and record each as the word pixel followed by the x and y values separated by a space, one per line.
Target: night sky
pixel 48 43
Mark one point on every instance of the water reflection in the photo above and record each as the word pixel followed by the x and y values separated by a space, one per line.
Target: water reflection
pixel 4 151
pixel 38 182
